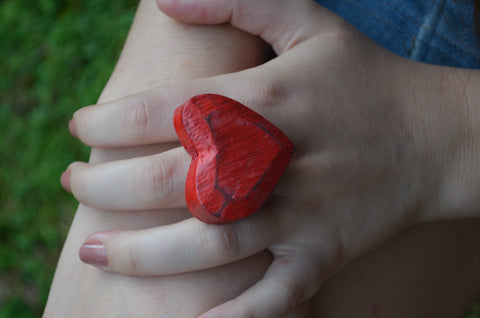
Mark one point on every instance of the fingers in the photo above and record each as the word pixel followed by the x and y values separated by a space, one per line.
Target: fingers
pixel 140 119
pixel 144 183
pixel 182 247
pixel 289 281
pixel 282 23
pixel 147 118
pixel 191 245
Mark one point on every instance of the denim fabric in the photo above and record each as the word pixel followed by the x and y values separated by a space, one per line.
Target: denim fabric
pixel 432 31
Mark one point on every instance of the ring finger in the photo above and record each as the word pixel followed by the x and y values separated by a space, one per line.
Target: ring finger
pixel 185 246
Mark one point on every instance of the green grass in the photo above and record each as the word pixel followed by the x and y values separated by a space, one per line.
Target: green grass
pixel 55 56
pixel 474 311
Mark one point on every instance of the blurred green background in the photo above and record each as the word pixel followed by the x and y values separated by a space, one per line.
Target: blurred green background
pixel 55 56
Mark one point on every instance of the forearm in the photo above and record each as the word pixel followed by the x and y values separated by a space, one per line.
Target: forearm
pixel 158 50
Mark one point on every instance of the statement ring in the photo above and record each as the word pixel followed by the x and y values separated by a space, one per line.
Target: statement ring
pixel 238 157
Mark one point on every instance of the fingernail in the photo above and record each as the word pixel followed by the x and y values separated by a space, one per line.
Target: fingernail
pixel 72 128
pixel 65 177
pixel 65 180
pixel 93 252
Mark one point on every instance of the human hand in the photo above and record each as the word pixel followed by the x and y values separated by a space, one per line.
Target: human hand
pixel 366 165
pixel 158 50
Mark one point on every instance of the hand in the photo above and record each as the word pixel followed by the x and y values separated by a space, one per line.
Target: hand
pixel 367 162
pixel 100 294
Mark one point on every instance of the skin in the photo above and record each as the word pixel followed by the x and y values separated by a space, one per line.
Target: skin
pixel 80 290
pixel 393 145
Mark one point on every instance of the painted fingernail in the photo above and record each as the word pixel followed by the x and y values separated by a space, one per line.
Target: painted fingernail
pixel 72 128
pixel 65 180
pixel 93 252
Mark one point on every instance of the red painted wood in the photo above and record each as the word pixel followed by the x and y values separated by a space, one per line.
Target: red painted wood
pixel 238 157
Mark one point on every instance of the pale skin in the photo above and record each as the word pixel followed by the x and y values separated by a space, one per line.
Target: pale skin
pixel 391 144
pixel 153 55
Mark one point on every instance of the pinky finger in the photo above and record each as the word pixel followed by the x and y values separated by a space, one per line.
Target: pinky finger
pixel 286 285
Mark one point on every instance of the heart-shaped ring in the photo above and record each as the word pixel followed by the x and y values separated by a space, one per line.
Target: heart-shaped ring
pixel 238 157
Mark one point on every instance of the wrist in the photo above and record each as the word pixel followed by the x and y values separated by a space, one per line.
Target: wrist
pixel 461 186
pixel 443 108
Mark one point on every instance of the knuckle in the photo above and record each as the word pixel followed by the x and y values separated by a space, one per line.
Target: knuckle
pixel 247 312
pixel 341 39
pixel 293 293
pixel 156 180
pixel 222 242
pixel 137 115
pixel 160 179
pixel 134 263
pixel 263 91
pixel 267 89
pixel 152 177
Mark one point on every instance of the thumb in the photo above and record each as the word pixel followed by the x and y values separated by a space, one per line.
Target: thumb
pixel 281 23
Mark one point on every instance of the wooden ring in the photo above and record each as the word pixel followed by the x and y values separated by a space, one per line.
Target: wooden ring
pixel 238 157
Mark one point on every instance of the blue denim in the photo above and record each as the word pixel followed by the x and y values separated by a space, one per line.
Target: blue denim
pixel 433 31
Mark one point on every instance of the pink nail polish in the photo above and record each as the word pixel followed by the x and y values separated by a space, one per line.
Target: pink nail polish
pixel 93 252
pixel 72 128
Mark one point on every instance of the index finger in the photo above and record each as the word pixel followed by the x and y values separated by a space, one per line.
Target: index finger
pixel 139 119
pixel 147 117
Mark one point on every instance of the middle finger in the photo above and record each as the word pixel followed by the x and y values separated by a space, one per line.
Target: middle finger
pixel 145 183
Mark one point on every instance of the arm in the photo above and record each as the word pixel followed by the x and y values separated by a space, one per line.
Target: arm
pixel 382 143
pixel 158 50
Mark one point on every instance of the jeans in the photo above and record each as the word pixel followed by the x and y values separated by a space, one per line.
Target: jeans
pixel 432 31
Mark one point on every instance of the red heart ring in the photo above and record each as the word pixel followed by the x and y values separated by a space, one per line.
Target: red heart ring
pixel 238 157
